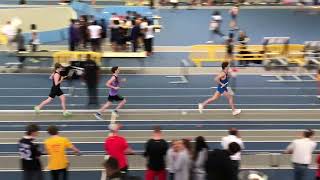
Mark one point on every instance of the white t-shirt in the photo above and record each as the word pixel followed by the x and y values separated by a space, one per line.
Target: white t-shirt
pixel 302 150
pixel 230 139
pixel 95 31
pixel 149 34
pixel 9 30
pixel 143 25
pixel 215 22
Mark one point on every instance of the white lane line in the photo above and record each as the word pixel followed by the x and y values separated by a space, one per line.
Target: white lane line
pixel 186 88
pixel 252 111
pixel 176 96
pixel 148 125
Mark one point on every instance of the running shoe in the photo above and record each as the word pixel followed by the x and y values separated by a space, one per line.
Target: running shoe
pixel 98 116
pixel 236 112
pixel 36 109
pixel 200 108
pixel 115 113
pixel 67 113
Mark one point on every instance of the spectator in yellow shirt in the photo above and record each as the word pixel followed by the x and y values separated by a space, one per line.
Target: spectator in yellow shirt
pixel 56 147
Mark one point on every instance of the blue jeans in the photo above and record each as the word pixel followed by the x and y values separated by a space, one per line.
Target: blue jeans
pixel 300 171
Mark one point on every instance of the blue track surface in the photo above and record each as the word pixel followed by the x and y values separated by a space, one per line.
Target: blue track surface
pixel 252 91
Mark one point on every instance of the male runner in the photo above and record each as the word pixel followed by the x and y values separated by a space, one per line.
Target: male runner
pixel 114 84
pixel 222 79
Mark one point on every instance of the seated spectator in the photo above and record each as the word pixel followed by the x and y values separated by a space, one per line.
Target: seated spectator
pixel 155 152
pixel 219 165
pixel 116 146
pixel 200 157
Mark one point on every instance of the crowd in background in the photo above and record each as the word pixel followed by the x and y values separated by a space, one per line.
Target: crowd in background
pixel 121 30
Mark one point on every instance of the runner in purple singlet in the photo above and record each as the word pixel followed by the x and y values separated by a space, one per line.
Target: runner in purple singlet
pixel 114 84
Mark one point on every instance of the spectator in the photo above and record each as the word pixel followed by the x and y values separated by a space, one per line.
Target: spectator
pixel 135 33
pixel 301 150
pixel 234 136
pixel 171 157
pixel 55 146
pixel 116 146
pixel 200 157
pixel 10 31
pixel 83 29
pixel 35 41
pixel 219 165
pixel 155 152
pixel 19 39
pixel 318 169
pixel 95 32
pixel 148 39
pixel 21 2
pixel 30 154
pixel 91 76
pixel 103 25
pixel 181 164
pixel 243 41
pixel 114 29
pixel 214 26
pixel 112 169
pixel 229 48
pixel 73 35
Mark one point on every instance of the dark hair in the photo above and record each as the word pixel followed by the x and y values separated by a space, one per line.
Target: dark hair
pixel 233 131
pixel 200 143
pixel 33 27
pixel 111 163
pixel 215 13
pixel 19 30
pixel 72 21
pixel 114 69
pixel 53 130
pixel 308 133
pixel 57 66
pixel 31 128
pixel 234 148
pixel 224 65
pixel 157 129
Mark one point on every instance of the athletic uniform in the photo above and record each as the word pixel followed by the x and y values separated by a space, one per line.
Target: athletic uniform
pixel 114 93
pixel 55 89
pixel 221 89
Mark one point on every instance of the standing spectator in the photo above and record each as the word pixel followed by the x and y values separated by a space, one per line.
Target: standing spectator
pixel 148 39
pixel 219 165
pixel 73 36
pixel 10 31
pixel 83 29
pixel 91 76
pixel 56 146
pixel 171 157
pixel 318 82
pixel 318 169
pixel 135 33
pixel 30 154
pixel 104 27
pixel 112 169
pixel 200 157
pixel 234 11
pixel 301 150
pixel 155 152
pixel 115 34
pixel 19 39
pixel 234 136
pixel 243 41
pixel 35 41
pixel 181 165
pixel 95 32
pixel 214 26
pixel 116 146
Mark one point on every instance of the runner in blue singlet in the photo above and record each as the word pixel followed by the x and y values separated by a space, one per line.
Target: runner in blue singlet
pixel 222 79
